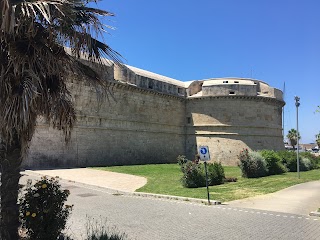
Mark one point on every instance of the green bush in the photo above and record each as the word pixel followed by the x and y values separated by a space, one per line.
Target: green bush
pixel 273 162
pixel 315 160
pixel 194 175
pixel 181 159
pixel 305 164
pixel 252 164
pixel 289 159
pixel 42 210
pixel 215 174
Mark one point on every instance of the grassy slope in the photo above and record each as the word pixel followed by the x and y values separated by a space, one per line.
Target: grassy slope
pixel 165 179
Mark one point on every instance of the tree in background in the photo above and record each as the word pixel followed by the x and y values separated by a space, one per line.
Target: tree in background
pixel 34 65
pixel 318 139
pixel 293 137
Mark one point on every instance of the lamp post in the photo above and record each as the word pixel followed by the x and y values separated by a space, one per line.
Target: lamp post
pixel 297 99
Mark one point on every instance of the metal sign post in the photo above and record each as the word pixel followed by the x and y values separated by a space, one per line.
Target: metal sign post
pixel 205 156
pixel 297 99
pixel 205 167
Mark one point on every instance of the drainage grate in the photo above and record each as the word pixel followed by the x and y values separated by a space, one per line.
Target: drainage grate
pixel 87 195
pixel 117 194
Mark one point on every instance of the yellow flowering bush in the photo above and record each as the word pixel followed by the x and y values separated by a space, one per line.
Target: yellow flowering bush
pixel 42 209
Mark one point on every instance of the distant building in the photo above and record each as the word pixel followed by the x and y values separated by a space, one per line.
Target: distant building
pixel 308 146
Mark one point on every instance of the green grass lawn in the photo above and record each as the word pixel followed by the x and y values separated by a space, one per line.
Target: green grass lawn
pixel 165 179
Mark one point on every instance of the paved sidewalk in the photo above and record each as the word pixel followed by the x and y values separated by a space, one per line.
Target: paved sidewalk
pixel 104 179
pixel 299 199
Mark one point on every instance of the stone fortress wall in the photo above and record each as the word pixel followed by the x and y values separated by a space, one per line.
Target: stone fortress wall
pixel 149 118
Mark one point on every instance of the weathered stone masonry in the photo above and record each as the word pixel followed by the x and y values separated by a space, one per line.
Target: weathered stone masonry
pixel 149 118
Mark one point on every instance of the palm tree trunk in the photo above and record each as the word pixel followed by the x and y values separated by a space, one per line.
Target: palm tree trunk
pixel 10 162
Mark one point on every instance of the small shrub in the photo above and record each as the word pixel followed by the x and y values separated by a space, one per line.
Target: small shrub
pixel 106 235
pixel 315 160
pixel 181 159
pixel 305 164
pixel 289 159
pixel 215 174
pixel 273 161
pixel 98 230
pixel 252 164
pixel 194 175
pixel 42 210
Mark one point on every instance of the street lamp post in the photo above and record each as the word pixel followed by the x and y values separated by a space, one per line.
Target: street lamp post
pixel 297 99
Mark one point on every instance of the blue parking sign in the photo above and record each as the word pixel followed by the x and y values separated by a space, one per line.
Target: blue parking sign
pixel 204 153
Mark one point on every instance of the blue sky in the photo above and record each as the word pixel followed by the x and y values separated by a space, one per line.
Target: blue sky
pixel 275 41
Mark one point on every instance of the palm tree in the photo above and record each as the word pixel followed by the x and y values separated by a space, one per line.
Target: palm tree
pixel 318 139
pixel 293 137
pixel 34 66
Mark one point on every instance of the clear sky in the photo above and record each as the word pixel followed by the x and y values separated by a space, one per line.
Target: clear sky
pixel 276 41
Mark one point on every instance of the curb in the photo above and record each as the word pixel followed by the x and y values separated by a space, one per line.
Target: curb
pixel 315 214
pixel 137 194
pixel 177 198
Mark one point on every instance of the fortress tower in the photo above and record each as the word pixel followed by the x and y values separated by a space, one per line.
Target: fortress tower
pixel 149 118
pixel 229 114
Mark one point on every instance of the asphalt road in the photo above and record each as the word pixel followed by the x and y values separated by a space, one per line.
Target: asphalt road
pixel 160 219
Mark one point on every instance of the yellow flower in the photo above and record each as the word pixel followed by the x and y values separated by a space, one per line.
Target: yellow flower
pixel 44 185
pixel 33 215
pixel 27 213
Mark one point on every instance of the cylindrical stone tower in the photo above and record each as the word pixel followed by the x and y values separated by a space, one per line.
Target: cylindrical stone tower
pixel 230 114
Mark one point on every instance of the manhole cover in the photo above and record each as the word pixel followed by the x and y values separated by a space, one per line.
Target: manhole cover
pixel 87 195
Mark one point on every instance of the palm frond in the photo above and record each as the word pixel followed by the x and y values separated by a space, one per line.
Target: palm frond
pixel 34 64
